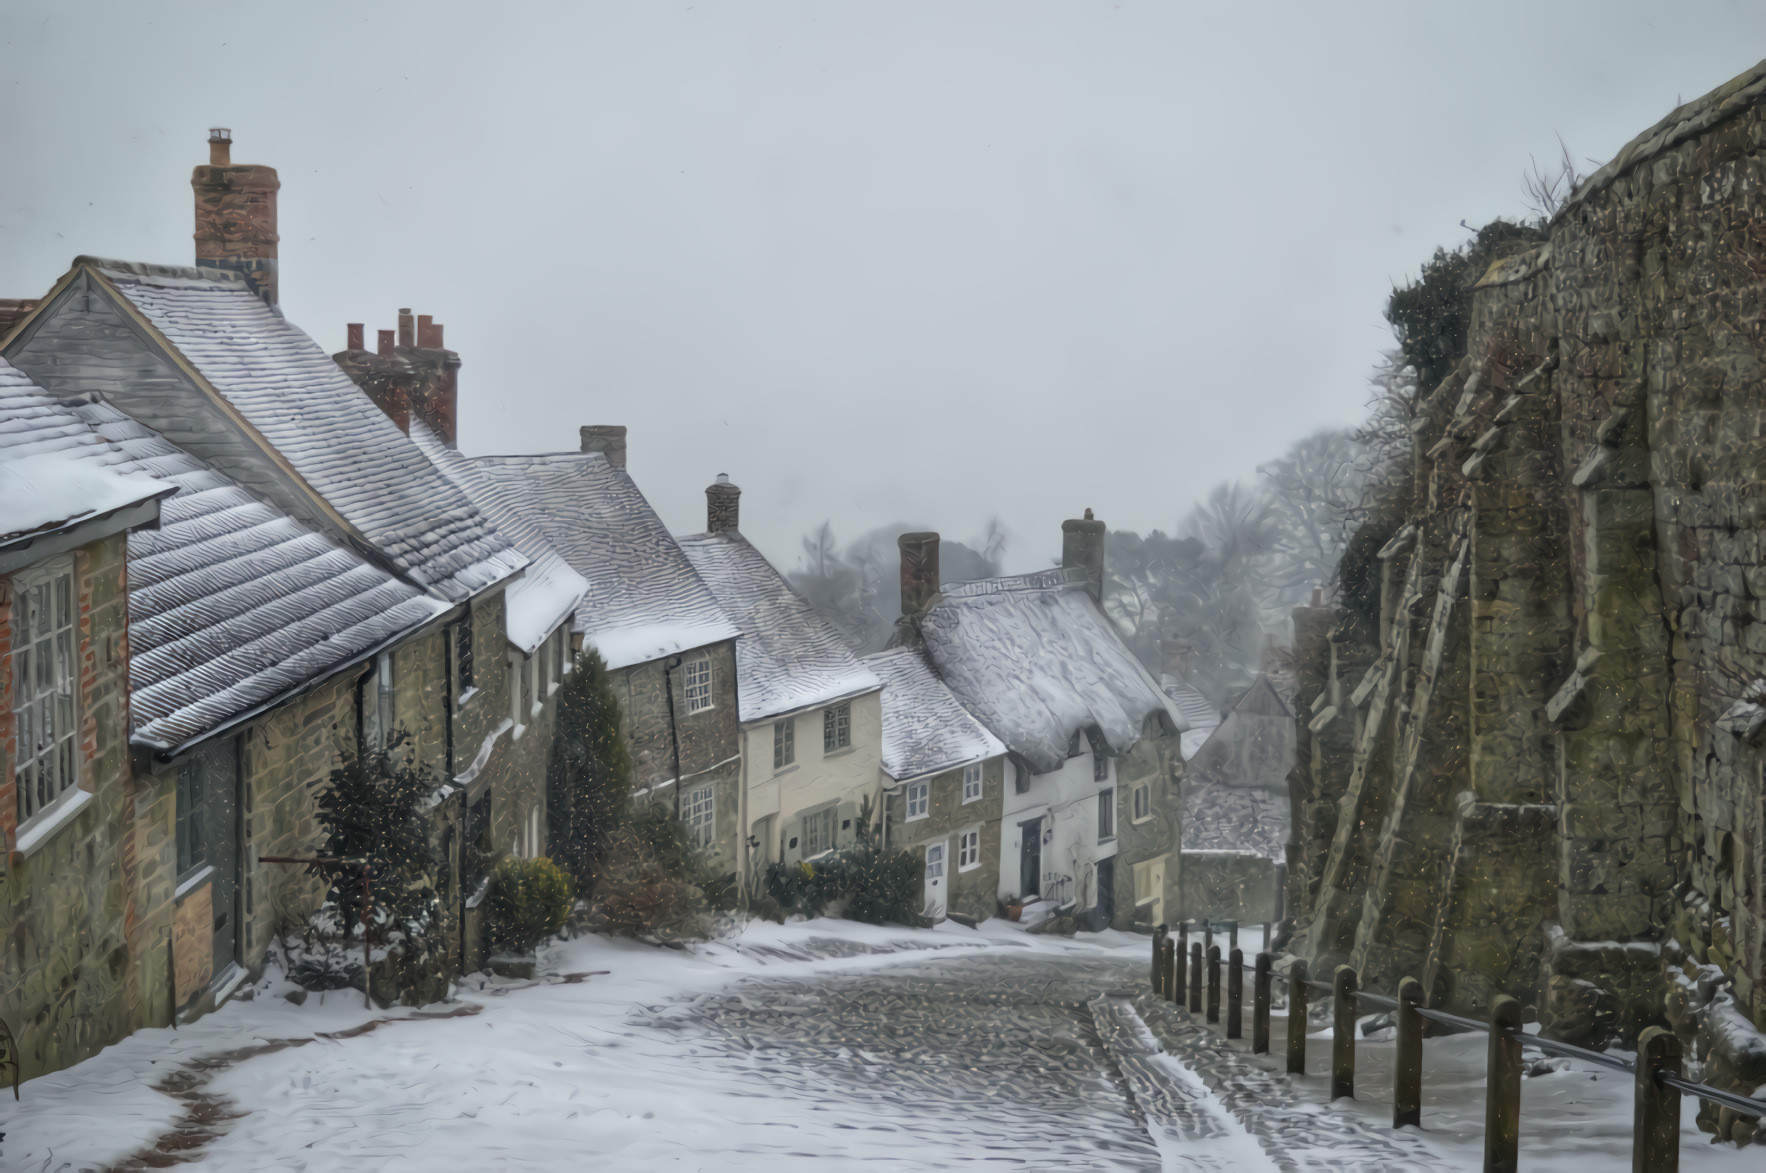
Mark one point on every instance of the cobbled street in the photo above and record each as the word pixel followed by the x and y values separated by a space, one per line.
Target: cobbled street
pixel 998 1052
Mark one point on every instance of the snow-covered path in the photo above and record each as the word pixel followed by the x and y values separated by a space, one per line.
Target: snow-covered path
pixel 820 1044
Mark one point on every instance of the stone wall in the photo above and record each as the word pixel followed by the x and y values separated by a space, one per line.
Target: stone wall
pixel 1155 762
pixel 1547 781
pixel 975 891
pixel 1226 885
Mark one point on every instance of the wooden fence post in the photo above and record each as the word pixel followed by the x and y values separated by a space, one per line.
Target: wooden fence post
pixel 1167 964
pixel 1160 932
pixel 1297 1017
pixel 1343 1034
pixel 1260 1006
pixel 1235 994
pixel 1502 1088
pixel 1180 973
pixel 1195 977
pixel 1655 1122
pixel 1214 983
pixel 1407 1075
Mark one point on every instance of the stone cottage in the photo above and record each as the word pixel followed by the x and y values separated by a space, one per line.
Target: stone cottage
pixel 811 715
pixel 1092 806
pixel 1528 749
pixel 668 645
pixel 943 786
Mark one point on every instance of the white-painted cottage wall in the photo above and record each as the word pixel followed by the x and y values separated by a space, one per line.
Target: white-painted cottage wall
pixel 1067 802
pixel 844 778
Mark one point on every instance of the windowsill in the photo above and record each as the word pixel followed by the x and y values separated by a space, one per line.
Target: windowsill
pixel 1142 819
pixel 197 879
pixel 552 688
pixel 967 867
pixel 917 818
pixel 43 827
pixel 1103 839
pixel 701 709
pixel 977 798
pixel 537 710
pixel 519 730
pixel 838 753
pixel 781 771
pixel 460 703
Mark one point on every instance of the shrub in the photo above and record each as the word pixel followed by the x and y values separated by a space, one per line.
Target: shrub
pixel 879 886
pixel 639 895
pixel 529 901
pixel 589 776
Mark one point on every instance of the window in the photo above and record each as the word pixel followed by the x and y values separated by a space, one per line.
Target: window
pixel 533 683
pixel 919 799
pixel 44 676
pixel 819 832
pixel 784 743
pixel 697 678
pixel 1143 803
pixel 1100 765
pixel 968 850
pixel 836 728
pixel 535 836
pixel 972 782
pixel 1073 745
pixel 701 817
pixel 463 654
pixel 934 862
pixel 517 679
pixel 566 661
pixel 1106 815
pixel 192 843
pixel 377 710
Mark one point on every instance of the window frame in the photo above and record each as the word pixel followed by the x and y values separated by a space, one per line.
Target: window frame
pixel 696 685
pixel 784 743
pixel 974 782
pixel 969 849
pixel 1106 815
pixel 699 813
pixel 836 728
pixel 465 683
pixel 919 795
pixel 941 847
pixel 55 703
pixel 814 819
pixel 1141 802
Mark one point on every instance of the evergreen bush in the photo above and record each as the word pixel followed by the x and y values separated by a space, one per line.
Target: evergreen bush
pixel 879 885
pixel 642 893
pixel 589 775
pixel 529 901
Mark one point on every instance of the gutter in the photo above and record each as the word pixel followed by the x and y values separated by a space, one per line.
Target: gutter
pixel 26 549
pixel 800 711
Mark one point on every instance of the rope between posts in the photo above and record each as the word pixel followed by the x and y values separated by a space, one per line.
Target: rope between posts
pixel 1732 1100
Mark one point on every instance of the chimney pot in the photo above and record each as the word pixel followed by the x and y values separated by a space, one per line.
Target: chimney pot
pixel 407 330
pixel 385 347
pixel 1082 545
pixel 436 334
pixel 354 330
pixel 236 216
pixel 723 503
pixel 607 439
pixel 919 572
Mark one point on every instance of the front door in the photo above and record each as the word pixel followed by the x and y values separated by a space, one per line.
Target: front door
pixel 937 883
pixel 208 837
pixel 1030 857
pixel 1107 889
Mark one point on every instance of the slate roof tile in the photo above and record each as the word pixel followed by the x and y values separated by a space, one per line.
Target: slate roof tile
pixel 926 730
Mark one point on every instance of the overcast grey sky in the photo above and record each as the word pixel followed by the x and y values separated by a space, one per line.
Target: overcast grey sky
pixel 877 261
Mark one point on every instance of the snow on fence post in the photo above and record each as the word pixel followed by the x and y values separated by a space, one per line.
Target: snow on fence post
pixel 1235 994
pixel 1260 1006
pixel 1180 973
pixel 1407 1076
pixel 1502 1088
pixel 1196 977
pixel 1655 1123
pixel 1297 1017
pixel 1214 983
pixel 1343 1034
pixel 1159 934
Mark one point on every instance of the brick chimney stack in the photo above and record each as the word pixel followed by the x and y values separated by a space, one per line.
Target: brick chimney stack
pixel 1082 545
pixel 354 332
pixel 384 350
pixel 607 439
pixel 722 505
pixel 407 329
pixel 409 375
pixel 236 216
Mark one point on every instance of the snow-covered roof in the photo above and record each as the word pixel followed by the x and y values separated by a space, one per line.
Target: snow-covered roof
pixel 293 395
pixel 1035 660
pixel 925 728
pixel 54 471
pixel 789 657
pixel 644 599
pixel 1197 709
pixel 232 603
pixel 548 592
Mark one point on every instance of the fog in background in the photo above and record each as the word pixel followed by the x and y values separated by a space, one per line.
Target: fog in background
pixel 948 262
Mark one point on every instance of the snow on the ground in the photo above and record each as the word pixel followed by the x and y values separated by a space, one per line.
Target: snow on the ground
pixel 575 1071
pixel 543 1074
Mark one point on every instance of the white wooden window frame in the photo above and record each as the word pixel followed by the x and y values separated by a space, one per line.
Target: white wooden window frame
pixel 699 809
pixel 696 684
pixel 969 850
pixel 919 798
pixel 784 743
pixel 46 691
pixel 836 728
pixel 1142 800
pixel 972 782
pixel 818 826
pixel 935 860
pixel 1106 815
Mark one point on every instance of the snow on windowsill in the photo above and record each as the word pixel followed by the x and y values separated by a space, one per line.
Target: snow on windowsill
pixel 43 827
pixel 193 883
